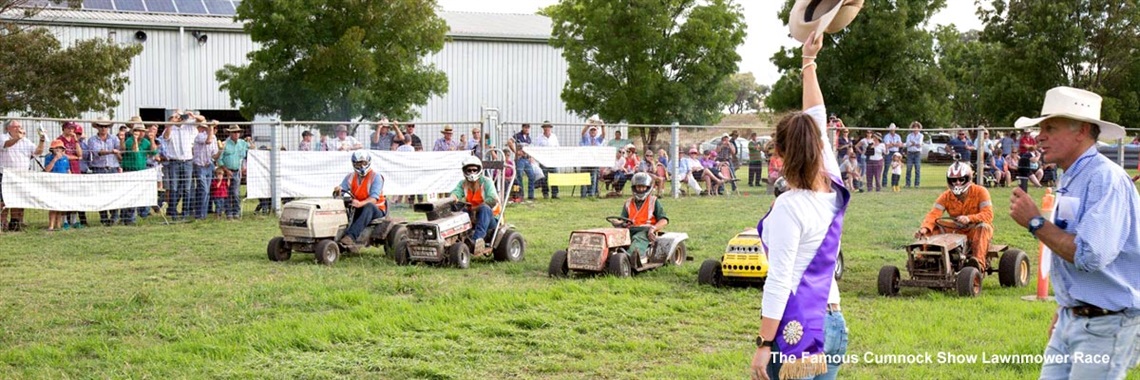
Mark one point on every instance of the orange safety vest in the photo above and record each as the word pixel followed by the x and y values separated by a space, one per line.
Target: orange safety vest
pixel 643 216
pixel 475 198
pixel 359 189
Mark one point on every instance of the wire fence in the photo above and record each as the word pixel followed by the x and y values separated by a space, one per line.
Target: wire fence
pixel 195 170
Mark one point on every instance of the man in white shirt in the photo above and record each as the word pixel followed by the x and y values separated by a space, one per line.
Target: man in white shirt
pixel 344 142
pixel 179 153
pixel 547 138
pixel 893 142
pixel 15 151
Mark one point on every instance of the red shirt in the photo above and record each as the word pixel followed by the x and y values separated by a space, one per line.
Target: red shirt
pixel 220 188
pixel 1026 139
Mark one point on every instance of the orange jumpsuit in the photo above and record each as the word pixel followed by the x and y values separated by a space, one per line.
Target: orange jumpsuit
pixel 977 206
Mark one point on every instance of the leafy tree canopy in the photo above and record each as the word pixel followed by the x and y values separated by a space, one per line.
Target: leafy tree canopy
pixel 648 61
pixel 337 59
pixel 39 77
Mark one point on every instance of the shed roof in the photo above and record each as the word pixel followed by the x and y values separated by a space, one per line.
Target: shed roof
pixel 463 25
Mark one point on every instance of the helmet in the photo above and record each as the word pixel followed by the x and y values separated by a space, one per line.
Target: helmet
pixel 780 186
pixel 472 161
pixel 641 179
pixel 958 177
pixel 358 157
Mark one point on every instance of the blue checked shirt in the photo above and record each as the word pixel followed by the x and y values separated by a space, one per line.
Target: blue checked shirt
pixel 1106 268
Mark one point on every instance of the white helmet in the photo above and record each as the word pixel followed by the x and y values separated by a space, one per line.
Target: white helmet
pixel 958 177
pixel 361 156
pixel 641 179
pixel 472 161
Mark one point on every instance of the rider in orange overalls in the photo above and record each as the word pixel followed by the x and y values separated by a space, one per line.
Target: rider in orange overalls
pixel 969 205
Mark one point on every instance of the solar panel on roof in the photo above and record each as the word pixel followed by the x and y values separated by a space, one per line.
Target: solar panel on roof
pixel 98 4
pixel 162 6
pixel 190 6
pixel 130 5
pixel 220 7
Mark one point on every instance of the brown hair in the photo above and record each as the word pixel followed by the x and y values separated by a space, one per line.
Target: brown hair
pixel 800 145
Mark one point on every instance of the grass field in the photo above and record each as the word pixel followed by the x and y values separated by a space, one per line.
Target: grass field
pixel 201 300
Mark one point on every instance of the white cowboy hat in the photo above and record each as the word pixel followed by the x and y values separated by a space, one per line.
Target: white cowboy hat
pixel 830 16
pixel 1075 104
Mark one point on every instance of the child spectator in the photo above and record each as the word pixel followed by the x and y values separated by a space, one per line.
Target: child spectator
pixel 852 172
pixel 219 190
pixel 896 170
pixel 775 166
pixel 57 162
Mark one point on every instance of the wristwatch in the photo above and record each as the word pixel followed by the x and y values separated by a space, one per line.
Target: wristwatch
pixel 761 342
pixel 1035 224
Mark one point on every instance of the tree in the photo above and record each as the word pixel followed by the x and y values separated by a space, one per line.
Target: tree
pixel 1089 44
pixel 648 61
pixel 744 90
pixel 39 77
pixel 967 63
pixel 880 70
pixel 337 59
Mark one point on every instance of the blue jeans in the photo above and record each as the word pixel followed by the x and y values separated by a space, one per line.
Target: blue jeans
pixel 484 221
pixel 201 199
pixel 108 217
pixel 914 159
pixel 523 166
pixel 887 166
pixel 219 205
pixel 863 168
pixel 592 188
pixel 1113 337
pixel 180 188
pixel 233 201
pixel 834 346
pixel 360 219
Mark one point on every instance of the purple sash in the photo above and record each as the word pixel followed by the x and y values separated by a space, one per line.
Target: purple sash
pixel 800 333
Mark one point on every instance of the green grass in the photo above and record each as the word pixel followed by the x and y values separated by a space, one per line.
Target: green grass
pixel 201 300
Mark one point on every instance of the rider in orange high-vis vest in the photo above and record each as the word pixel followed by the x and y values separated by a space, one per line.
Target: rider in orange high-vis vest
pixel 971 208
pixel 367 189
pixel 645 213
pixel 479 193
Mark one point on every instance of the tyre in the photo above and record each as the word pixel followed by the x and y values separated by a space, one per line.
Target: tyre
pixel 327 252
pixel 558 267
pixel 969 283
pixel 680 254
pixel 459 255
pixel 839 266
pixel 400 251
pixel 618 265
pixel 710 273
pixel 511 247
pixel 395 234
pixel 1013 269
pixel 277 250
pixel 889 281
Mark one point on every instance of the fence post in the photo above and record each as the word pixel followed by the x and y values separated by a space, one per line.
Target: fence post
pixel 1120 151
pixel 273 169
pixel 675 161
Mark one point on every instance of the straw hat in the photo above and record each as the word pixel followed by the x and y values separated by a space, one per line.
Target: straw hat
pixel 829 16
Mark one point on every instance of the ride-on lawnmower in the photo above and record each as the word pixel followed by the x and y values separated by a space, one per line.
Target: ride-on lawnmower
pixel 944 261
pixel 598 250
pixel 744 262
pixel 316 226
pixel 446 236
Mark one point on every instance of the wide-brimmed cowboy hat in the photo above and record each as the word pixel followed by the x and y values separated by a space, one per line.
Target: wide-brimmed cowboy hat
pixel 233 128
pixel 101 122
pixel 447 129
pixel 829 16
pixel 1075 104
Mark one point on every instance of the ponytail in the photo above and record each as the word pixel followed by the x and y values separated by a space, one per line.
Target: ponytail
pixel 799 143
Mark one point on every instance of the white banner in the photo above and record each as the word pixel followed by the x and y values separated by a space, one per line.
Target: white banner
pixel 74 192
pixel 315 174
pixel 574 156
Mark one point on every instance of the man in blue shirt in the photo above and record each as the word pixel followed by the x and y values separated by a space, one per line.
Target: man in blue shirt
pixel 1095 238
pixel 893 142
pixel 914 143
pixel 592 135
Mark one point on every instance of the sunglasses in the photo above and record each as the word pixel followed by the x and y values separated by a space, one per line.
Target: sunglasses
pixel 471 171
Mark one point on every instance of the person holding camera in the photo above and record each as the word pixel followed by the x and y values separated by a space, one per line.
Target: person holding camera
pixel 179 154
pixel 15 151
pixel 205 152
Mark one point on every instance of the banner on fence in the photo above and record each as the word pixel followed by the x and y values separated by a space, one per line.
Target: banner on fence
pixel 73 192
pixel 315 174
pixel 574 156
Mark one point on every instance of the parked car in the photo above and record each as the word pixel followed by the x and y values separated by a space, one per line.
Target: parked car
pixel 741 146
pixel 935 148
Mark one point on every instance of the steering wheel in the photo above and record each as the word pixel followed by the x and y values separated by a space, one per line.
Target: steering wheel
pixel 617 220
pixel 460 206
pixel 947 222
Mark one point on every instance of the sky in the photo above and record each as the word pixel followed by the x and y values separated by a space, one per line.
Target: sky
pixel 766 33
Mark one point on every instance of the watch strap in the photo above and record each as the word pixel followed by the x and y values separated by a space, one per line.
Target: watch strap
pixel 761 342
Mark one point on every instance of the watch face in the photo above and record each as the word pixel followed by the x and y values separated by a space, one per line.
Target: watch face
pixel 1036 222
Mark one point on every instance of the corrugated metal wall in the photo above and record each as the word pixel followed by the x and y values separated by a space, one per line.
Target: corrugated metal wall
pixel 523 80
